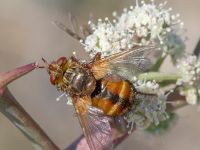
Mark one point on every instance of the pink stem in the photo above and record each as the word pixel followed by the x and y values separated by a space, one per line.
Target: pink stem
pixel 7 77
pixel 24 122
pixel 17 114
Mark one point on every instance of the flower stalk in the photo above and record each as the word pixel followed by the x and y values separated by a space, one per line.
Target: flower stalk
pixel 158 76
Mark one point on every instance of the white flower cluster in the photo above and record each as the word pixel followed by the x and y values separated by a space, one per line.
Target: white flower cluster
pixel 189 70
pixel 106 38
pixel 149 108
pixel 146 86
pixel 140 25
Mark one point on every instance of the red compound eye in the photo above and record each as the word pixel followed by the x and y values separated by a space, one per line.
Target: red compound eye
pixel 53 79
pixel 61 60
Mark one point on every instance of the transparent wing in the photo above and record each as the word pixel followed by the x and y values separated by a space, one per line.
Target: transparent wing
pixel 96 126
pixel 67 30
pixel 127 63
pixel 73 22
pixel 76 31
pixel 83 30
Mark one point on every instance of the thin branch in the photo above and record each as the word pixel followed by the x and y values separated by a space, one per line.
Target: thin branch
pixel 9 76
pixel 23 121
pixel 177 101
pixel 197 49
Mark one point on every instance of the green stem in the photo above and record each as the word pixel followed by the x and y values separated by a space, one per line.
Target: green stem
pixel 157 65
pixel 158 76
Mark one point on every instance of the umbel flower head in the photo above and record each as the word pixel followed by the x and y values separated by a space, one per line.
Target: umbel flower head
pixel 149 108
pixel 106 38
pixel 189 70
pixel 140 25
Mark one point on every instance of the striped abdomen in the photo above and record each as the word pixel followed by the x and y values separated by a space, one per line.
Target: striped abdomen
pixel 114 98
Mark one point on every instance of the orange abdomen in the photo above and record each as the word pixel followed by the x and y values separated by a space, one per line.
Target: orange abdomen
pixel 114 98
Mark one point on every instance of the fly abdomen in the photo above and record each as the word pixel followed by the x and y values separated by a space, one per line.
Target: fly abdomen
pixel 115 97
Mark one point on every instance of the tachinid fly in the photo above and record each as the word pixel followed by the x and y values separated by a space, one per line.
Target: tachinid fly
pixel 100 89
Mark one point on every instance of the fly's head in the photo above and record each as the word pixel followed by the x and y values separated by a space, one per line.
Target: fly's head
pixel 71 77
pixel 56 70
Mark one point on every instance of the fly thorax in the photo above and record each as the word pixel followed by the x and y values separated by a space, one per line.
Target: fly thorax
pixel 79 80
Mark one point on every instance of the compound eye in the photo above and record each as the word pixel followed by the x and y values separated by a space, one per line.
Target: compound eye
pixel 61 61
pixel 53 79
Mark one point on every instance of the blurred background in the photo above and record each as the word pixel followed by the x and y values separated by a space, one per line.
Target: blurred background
pixel 27 34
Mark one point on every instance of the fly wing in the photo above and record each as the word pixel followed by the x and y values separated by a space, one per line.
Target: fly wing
pixel 95 125
pixel 67 30
pixel 127 63
pixel 76 31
